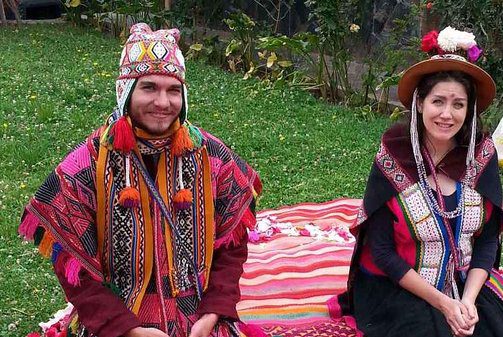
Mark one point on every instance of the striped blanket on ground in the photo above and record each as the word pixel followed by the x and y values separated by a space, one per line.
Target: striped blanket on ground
pixel 300 259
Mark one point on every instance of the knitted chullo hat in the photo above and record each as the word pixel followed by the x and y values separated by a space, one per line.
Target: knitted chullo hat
pixel 148 52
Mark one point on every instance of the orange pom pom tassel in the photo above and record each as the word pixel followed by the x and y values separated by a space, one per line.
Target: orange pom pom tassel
pixel 181 141
pixel 122 135
pixel 183 199
pixel 129 197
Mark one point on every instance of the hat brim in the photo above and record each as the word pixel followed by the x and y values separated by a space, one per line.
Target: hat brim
pixel 486 88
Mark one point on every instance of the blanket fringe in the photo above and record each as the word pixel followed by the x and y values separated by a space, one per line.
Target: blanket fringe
pixel 351 322
pixel 56 250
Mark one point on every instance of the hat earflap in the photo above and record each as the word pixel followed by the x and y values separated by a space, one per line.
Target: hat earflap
pixel 185 105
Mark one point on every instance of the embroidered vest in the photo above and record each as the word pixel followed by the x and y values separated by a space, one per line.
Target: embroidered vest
pixel 421 237
pixel 418 222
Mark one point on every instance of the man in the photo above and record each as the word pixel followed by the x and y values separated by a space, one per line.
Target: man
pixel 146 220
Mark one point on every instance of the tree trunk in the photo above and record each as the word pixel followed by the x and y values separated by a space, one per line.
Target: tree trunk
pixel 167 4
pixel 427 20
pixel 14 8
pixel 3 19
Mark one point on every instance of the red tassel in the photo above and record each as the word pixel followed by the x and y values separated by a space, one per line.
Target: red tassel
pixel 129 197
pixel 251 330
pixel 183 199
pixel 72 270
pixel 248 219
pixel 181 142
pixel 257 186
pixel 122 135
pixel 233 238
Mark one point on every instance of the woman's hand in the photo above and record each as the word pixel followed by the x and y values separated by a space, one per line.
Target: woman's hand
pixel 471 318
pixel 454 311
pixel 474 282
pixel 456 315
pixel 145 332
pixel 203 326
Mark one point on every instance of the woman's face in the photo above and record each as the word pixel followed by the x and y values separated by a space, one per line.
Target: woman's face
pixel 444 111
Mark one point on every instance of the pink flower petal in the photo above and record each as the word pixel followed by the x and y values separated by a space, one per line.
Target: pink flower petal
pixel 474 53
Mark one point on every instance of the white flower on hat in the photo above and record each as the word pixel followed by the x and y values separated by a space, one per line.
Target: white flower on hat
pixel 466 40
pixel 447 39
pixel 450 39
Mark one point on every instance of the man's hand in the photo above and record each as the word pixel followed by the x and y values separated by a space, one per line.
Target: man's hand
pixel 203 326
pixel 145 332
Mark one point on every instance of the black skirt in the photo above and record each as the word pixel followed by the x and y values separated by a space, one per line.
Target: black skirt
pixel 384 309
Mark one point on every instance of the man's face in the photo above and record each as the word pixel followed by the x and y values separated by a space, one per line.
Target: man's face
pixel 155 103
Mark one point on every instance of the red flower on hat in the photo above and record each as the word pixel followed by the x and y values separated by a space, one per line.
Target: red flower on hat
pixel 429 43
pixel 429 5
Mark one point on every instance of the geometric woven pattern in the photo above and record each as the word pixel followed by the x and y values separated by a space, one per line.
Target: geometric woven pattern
pixel 324 329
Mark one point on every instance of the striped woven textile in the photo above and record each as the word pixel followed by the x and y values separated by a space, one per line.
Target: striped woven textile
pixel 287 280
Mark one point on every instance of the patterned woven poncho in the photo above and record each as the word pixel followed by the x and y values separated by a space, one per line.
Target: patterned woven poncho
pixel 76 210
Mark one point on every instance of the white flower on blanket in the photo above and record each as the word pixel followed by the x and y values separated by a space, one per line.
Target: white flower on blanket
pixel 267 226
pixel 59 317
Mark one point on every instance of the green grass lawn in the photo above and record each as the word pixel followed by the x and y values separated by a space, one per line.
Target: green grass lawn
pixel 57 85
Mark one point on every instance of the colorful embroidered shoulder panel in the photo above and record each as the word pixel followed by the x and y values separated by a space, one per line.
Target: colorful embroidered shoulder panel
pixel 392 170
pixel 390 167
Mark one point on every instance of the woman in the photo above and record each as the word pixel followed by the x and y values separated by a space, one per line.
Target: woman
pixel 431 217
